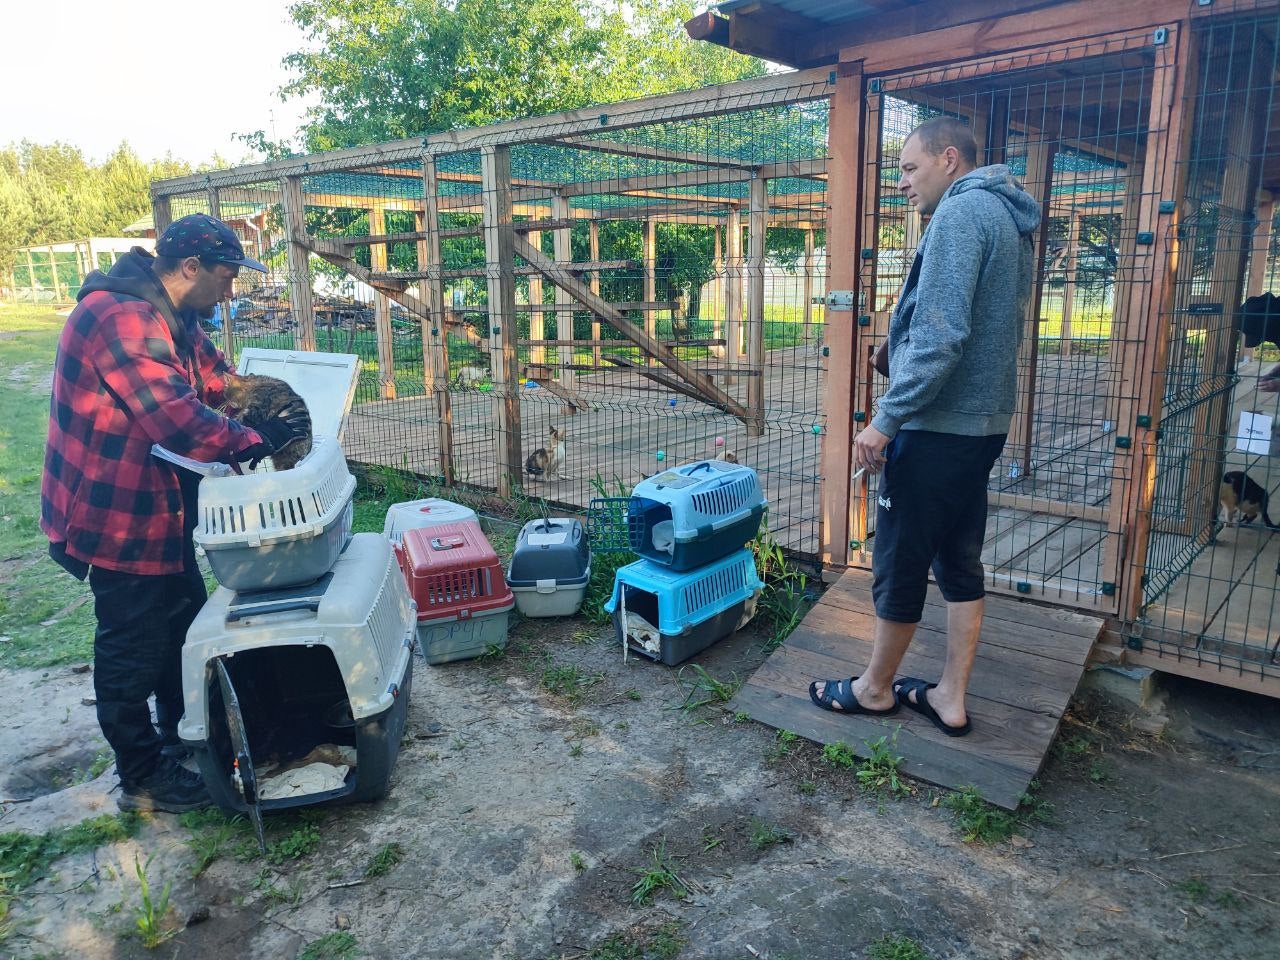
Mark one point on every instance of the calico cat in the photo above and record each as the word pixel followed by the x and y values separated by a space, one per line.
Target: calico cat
pixel 257 399
pixel 544 463
pixel 1242 493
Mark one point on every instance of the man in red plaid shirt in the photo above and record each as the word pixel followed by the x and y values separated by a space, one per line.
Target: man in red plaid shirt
pixel 134 369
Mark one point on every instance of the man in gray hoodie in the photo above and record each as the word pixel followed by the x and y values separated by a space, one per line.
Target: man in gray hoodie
pixel 953 354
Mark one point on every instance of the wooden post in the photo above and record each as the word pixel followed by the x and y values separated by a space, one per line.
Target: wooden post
pixel 733 296
pixel 844 219
pixel 537 323
pixel 1069 287
pixel 499 249
pixel 1038 183
pixel 593 254
pixel 435 338
pixel 866 383
pixel 299 258
pixel 53 272
pixel 378 258
pixel 717 290
pixel 1141 384
pixel 161 214
pixel 31 275
pixel 228 334
pixel 1260 248
pixel 758 226
pixel 1259 254
pixel 807 286
pixel 563 250
pixel 649 247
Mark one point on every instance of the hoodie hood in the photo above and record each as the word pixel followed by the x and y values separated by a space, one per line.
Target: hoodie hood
pixel 132 277
pixel 999 180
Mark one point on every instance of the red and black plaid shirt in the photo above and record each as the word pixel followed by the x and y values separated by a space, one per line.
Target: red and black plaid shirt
pixel 119 386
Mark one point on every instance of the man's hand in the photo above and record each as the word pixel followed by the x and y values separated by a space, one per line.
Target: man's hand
pixel 868 450
pixel 277 433
pixel 1269 382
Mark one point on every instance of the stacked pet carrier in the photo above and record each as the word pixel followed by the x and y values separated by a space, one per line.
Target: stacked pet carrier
pixel 696 582
pixel 456 581
pixel 297 671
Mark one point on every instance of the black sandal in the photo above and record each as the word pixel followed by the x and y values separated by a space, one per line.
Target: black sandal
pixel 842 699
pixel 903 687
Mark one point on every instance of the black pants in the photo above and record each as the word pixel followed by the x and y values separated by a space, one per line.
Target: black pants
pixel 932 513
pixel 137 652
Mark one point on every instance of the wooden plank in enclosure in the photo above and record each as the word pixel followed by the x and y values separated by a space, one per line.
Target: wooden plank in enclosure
pixel 758 227
pixel 382 311
pixel 499 239
pixel 593 253
pixel 1141 386
pixel 299 260
pixel 733 278
pixel 1029 662
pixel 228 342
pixel 435 344
pixel 563 240
pixel 649 264
pixel 846 192
pixel 707 391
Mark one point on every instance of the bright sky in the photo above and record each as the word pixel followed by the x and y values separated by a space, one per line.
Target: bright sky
pixel 169 76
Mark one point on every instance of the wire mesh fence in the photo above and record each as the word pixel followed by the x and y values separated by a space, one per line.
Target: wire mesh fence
pixel 562 306
pixel 642 286
pixel 1212 567
pixel 1070 123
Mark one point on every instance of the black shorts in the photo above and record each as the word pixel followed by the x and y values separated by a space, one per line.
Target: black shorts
pixel 932 513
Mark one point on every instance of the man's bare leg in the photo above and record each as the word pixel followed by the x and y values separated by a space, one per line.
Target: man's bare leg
pixel 964 625
pixel 874 689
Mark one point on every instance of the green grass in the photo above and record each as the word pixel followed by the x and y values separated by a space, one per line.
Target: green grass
pixel 33 589
pixel 659 875
pixel 27 857
pixel 980 822
pixel 332 946
pixel 896 947
pixel 380 863
pixel 662 943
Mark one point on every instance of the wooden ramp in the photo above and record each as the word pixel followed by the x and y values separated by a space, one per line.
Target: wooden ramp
pixel 1029 662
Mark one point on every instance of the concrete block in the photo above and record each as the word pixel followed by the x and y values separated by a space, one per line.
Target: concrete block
pixel 1136 686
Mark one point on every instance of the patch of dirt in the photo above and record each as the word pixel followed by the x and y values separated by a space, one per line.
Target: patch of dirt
pixel 527 818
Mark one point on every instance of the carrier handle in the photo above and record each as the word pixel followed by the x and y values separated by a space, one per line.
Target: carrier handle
pixel 276 606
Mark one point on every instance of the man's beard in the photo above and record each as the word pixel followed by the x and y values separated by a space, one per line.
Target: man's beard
pixel 205 313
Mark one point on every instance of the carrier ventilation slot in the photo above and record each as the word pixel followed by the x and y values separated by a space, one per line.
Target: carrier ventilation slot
pixel 382 623
pixel 712 589
pixel 723 500
pixel 457 587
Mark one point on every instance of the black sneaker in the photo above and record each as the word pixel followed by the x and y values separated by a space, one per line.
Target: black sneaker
pixel 171 788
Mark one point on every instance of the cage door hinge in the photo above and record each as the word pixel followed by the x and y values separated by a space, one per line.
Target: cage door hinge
pixel 839 300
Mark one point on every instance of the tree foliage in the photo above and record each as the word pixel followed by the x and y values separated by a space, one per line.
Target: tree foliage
pixel 51 193
pixel 390 69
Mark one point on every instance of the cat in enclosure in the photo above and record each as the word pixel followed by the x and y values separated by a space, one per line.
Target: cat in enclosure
pixel 257 399
pixel 544 463
pixel 469 375
pixel 1241 493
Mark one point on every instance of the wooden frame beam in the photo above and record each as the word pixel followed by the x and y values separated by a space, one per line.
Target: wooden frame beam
pixel 726 98
pixel 297 247
pixel 844 229
pixel 435 344
pixel 499 247
pixel 707 392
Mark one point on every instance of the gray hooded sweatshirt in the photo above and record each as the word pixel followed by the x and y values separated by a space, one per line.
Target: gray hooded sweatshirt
pixel 954 335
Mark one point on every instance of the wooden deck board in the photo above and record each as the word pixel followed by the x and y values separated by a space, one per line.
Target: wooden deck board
pixel 1028 664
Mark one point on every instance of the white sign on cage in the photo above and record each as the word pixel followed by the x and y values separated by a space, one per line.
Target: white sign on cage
pixel 1254 433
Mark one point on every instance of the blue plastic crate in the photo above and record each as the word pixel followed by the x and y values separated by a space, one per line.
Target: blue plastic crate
pixel 682 518
pixel 688 610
